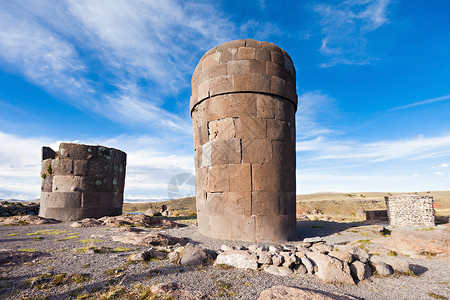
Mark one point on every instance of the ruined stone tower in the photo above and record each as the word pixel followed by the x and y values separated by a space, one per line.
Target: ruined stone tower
pixel 243 108
pixel 82 181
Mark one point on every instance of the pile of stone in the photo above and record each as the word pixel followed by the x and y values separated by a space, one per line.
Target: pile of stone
pixel 332 264
pixel 25 220
pixel 16 208
pixel 126 220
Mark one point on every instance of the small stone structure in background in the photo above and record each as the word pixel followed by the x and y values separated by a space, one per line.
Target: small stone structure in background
pixel 243 108
pixel 82 181
pixel 407 210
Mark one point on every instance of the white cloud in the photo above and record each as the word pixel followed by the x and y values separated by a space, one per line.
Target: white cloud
pixel 345 27
pixel 405 149
pixel 439 173
pixel 444 165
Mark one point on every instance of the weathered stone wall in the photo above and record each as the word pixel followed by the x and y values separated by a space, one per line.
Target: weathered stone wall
pixel 82 181
pixel 243 108
pixel 407 210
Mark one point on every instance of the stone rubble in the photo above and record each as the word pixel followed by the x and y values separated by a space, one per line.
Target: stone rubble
pixel 330 263
pixel 18 208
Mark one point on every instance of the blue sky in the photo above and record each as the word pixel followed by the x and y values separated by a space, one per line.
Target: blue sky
pixel 373 79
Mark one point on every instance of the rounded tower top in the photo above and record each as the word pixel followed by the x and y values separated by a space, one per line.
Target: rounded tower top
pixel 244 66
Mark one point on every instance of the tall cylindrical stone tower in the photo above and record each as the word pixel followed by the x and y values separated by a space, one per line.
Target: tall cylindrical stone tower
pixel 82 181
pixel 243 108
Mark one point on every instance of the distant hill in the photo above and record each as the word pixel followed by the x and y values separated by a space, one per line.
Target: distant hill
pixel 327 202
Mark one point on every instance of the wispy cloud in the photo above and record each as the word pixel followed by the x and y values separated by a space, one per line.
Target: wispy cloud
pixel 405 149
pixel 345 27
pixel 424 102
pixel 315 112
pixel 144 52
pixel 444 165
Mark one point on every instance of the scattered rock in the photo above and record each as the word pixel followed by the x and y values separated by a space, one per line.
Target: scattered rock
pixel 308 264
pixel 331 269
pixel 301 269
pixel 360 270
pixel 88 222
pixel 193 256
pixel 14 257
pixel 279 271
pixel 397 264
pixel 341 255
pixel 356 252
pixel 316 239
pixel 382 269
pixel 264 258
pixel 277 260
pixel 238 258
pixel 150 212
pixel 174 256
pixel 321 248
pixel 143 256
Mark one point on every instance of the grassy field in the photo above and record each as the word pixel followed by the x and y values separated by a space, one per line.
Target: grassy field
pixel 339 204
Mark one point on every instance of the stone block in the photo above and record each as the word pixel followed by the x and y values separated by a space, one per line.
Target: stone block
pixel 217 71
pixel 44 167
pixel 62 166
pixel 246 53
pixel 242 227
pixel 240 177
pixel 258 67
pixel 218 179
pixel 215 203
pixel 253 43
pixel 238 204
pixel 80 167
pixel 283 152
pixel 268 177
pixel 210 60
pixel 288 203
pixel 226 129
pixel 203 90
pixel 278 86
pixel 263 55
pixel 227 55
pixel 220 227
pixel 289 178
pixel 278 130
pixel 225 152
pixel 71 183
pixel 220 85
pixel 204 226
pixel 47 183
pixel 63 200
pixel 275 228
pixel 250 128
pixel 266 106
pixel 230 45
pixel 241 105
pixel 276 70
pixel 213 130
pixel 285 111
pixel 214 109
pixel 117 200
pixel 48 153
pixel 260 83
pixel 236 67
pixel 256 151
pixel 100 169
pixel 278 58
pixel 288 64
pixel 77 151
pixel 266 203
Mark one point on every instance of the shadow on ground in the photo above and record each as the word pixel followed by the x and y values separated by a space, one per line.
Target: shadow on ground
pixel 308 229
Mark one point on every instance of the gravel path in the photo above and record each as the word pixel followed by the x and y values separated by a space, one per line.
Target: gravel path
pixel 59 256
